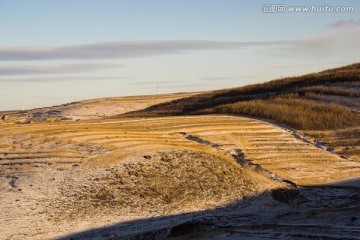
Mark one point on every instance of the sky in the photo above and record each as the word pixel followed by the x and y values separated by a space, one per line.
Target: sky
pixel 54 52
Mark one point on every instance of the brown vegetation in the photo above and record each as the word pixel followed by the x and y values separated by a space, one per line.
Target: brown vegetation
pixel 345 142
pixel 295 112
pixel 158 184
pixel 280 100
pixel 329 91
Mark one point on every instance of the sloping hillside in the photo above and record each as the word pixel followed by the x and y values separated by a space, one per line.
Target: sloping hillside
pixel 326 105
pixel 132 176
pixel 89 109
pixel 208 176
pixel 339 86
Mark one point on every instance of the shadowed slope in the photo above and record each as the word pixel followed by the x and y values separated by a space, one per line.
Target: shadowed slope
pixel 321 212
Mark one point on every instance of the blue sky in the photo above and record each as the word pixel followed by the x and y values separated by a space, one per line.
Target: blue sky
pixel 53 52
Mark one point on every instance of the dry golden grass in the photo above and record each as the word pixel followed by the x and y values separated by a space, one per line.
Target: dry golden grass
pixel 295 112
pixel 345 142
pixel 325 90
pixel 58 177
pixel 105 143
pixel 343 77
pixel 76 175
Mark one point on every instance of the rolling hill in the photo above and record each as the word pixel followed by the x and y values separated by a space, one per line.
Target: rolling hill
pixel 339 86
pixel 324 105
pixel 272 160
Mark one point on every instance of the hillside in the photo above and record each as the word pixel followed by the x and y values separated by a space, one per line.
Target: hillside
pixel 266 161
pixel 325 105
pixel 135 176
pixel 339 86
pixel 89 109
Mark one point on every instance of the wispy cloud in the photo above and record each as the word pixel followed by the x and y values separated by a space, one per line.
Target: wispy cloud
pixel 61 79
pixel 60 69
pixel 292 66
pixel 226 78
pixel 342 36
pixel 215 78
pixel 152 82
pixel 114 50
pixel 343 23
pixel 331 40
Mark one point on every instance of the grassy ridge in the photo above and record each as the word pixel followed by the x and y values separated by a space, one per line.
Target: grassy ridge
pixel 293 111
pixel 288 100
pixel 296 101
pixel 324 90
